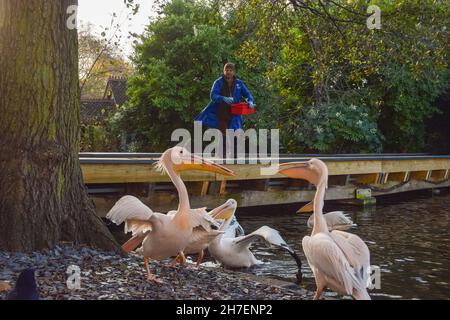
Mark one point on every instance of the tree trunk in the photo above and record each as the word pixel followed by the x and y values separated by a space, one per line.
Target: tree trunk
pixel 43 199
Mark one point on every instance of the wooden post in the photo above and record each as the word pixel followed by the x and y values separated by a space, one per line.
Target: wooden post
pixel 223 186
pixel 205 187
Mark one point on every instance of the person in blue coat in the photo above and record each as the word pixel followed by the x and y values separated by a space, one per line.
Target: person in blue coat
pixel 226 90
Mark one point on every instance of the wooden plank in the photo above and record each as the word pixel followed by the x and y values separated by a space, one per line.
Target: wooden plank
pixel 114 173
pixel 136 189
pixel 420 175
pixel 260 198
pixel 339 180
pixel 166 201
pixel 124 173
pixel 297 184
pixel 415 165
pixel 398 176
pixel 142 172
pixel 260 185
pixel 438 175
pixel 412 185
pixel 371 178
pixel 257 184
pixel 250 172
pixel 354 167
pixel 103 204
pixel 194 187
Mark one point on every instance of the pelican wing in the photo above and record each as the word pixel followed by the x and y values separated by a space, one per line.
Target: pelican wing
pixel 134 213
pixel 200 219
pixel 337 220
pixel 202 237
pixel 268 235
pixel 356 252
pixel 205 227
pixel 324 255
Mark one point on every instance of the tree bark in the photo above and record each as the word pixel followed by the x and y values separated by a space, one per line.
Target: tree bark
pixel 43 199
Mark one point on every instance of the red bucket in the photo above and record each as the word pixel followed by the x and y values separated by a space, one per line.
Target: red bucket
pixel 242 109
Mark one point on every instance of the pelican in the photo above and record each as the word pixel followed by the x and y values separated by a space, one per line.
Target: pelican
pixel 163 236
pixel 336 220
pixel 338 259
pixel 201 237
pixel 234 251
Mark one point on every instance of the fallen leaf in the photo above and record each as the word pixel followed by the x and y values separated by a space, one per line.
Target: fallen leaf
pixel 4 287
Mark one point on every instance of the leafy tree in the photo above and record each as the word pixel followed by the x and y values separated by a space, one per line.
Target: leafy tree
pixel 100 56
pixel 296 56
pixel 99 59
pixel 324 54
pixel 180 55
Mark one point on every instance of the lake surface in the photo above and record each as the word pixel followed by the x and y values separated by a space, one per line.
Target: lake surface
pixel 408 238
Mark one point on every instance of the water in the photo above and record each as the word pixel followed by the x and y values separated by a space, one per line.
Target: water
pixel 408 239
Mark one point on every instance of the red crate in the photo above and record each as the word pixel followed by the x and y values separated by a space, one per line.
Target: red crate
pixel 242 109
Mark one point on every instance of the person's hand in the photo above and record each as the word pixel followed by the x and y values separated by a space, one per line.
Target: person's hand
pixel 228 100
pixel 250 104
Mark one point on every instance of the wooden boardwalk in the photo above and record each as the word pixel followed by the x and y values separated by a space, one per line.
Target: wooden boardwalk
pixel 110 175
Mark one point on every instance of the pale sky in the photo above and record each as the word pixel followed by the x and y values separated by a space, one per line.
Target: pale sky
pixel 99 13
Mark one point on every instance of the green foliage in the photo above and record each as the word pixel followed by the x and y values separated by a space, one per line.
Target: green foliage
pixel 407 106
pixel 337 127
pixel 97 138
pixel 181 54
pixel 179 58
pixel 305 63
pixel 323 54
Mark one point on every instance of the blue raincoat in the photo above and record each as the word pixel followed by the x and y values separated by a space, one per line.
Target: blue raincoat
pixel 208 115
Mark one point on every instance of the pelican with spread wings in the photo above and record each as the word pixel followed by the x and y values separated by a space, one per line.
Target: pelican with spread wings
pixel 234 251
pixel 161 235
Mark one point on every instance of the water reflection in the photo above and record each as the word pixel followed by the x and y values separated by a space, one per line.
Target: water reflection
pixel 408 239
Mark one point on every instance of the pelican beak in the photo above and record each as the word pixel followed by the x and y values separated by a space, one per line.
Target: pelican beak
pixel 299 170
pixel 225 211
pixel 193 162
pixel 307 208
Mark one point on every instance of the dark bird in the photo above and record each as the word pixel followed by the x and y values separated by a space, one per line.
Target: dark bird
pixel 26 288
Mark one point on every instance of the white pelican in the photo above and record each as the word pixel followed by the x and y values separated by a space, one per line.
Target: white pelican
pixel 234 251
pixel 202 237
pixel 163 236
pixel 336 220
pixel 338 259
